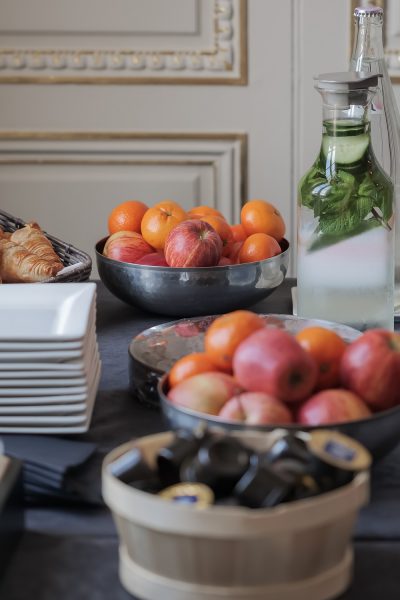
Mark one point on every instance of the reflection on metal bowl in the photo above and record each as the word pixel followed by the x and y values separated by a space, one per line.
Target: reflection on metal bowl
pixel 192 291
pixel 379 434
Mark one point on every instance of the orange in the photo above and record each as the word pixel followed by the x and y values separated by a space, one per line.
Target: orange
pixel 159 220
pixel 126 216
pixel 225 334
pixel 202 211
pixel 259 216
pixel 189 365
pixel 223 230
pixel 258 247
pixel 239 233
pixel 327 348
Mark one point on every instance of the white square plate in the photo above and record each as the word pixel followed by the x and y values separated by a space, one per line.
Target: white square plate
pixel 32 375
pixel 54 356
pixel 27 386
pixel 43 409
pixel 33 382
pixel 59 398
pixel 53 424
pixel 35 346
pixel 41 420
pixel 43 312
pixel 74 367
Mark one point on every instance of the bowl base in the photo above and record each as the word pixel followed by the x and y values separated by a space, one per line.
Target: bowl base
pixel 150 586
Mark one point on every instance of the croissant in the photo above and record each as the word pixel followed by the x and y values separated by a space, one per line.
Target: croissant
pixel 18 265
pixel 33 239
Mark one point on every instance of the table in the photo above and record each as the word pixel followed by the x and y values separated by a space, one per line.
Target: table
pixel 70 552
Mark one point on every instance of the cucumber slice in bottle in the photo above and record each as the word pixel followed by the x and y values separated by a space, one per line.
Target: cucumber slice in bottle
pixel 345 150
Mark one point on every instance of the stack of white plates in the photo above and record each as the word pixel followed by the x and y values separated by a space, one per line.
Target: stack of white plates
pixel 49 357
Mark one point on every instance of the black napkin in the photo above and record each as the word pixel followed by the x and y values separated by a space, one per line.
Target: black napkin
pixel 48 453
pixel 55 468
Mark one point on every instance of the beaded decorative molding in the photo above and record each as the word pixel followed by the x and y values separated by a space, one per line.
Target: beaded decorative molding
pixel 222 60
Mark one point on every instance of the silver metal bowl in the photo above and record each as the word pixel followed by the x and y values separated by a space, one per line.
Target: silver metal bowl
pixel 379 433
pixel 154 351
pixel 192 291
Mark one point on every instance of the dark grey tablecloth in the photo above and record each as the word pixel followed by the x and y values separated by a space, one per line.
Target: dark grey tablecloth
pixel 70 552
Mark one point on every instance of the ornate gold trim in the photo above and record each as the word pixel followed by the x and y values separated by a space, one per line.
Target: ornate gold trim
pixel 242 138
pixel 219 56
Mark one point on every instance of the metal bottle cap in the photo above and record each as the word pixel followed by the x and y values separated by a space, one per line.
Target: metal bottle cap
pixel 197 495
pixel 361 13
pixel 339 450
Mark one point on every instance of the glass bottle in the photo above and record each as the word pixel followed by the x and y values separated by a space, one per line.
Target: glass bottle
pixel 368 56
pixel 345 214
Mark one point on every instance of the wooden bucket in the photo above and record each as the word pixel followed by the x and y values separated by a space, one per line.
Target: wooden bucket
pixel 300 550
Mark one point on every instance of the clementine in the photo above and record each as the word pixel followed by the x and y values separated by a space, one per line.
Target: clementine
pixel 203 211
pixel 226 333
pixel 189 365
pixel 259 216
pixel 159 220
pixel 126 216
pixel 327 348
pixel 258 247
pixel 223 230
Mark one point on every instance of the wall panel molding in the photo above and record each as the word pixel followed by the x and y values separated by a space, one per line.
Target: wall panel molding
pixel 70 181
pixel 198 41
pixel 226 153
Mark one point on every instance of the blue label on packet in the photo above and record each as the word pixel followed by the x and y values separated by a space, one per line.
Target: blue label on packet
pixel 340 451
pixel 185 499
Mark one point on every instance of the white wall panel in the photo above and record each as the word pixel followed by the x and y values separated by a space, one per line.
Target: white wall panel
pixel 70 185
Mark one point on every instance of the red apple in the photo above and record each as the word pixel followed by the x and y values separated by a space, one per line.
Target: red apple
pixel 332 406
pixel 370 367
pixel 193 243
pixel 206 392
pixel 234 252
pixel 155 259
pixel 127 246
pixel 224 261
pixel 255 408
pixel 270 360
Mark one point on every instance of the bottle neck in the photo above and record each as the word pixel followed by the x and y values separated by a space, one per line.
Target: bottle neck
pixel 368 51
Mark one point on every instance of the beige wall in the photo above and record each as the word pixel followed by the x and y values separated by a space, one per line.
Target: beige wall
pixel 69 185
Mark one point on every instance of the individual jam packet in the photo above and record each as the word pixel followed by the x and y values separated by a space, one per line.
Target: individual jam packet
pixel 196 495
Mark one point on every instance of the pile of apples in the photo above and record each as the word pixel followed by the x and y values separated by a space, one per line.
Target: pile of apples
pixel 166 235
pixel 279 378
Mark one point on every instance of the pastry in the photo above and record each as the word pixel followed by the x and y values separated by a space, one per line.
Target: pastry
pixel 18 265
pixel 34 240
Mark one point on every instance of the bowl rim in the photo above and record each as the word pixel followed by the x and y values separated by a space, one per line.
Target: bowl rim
pixel 111 261
pixel 158 371
pixel 215 420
